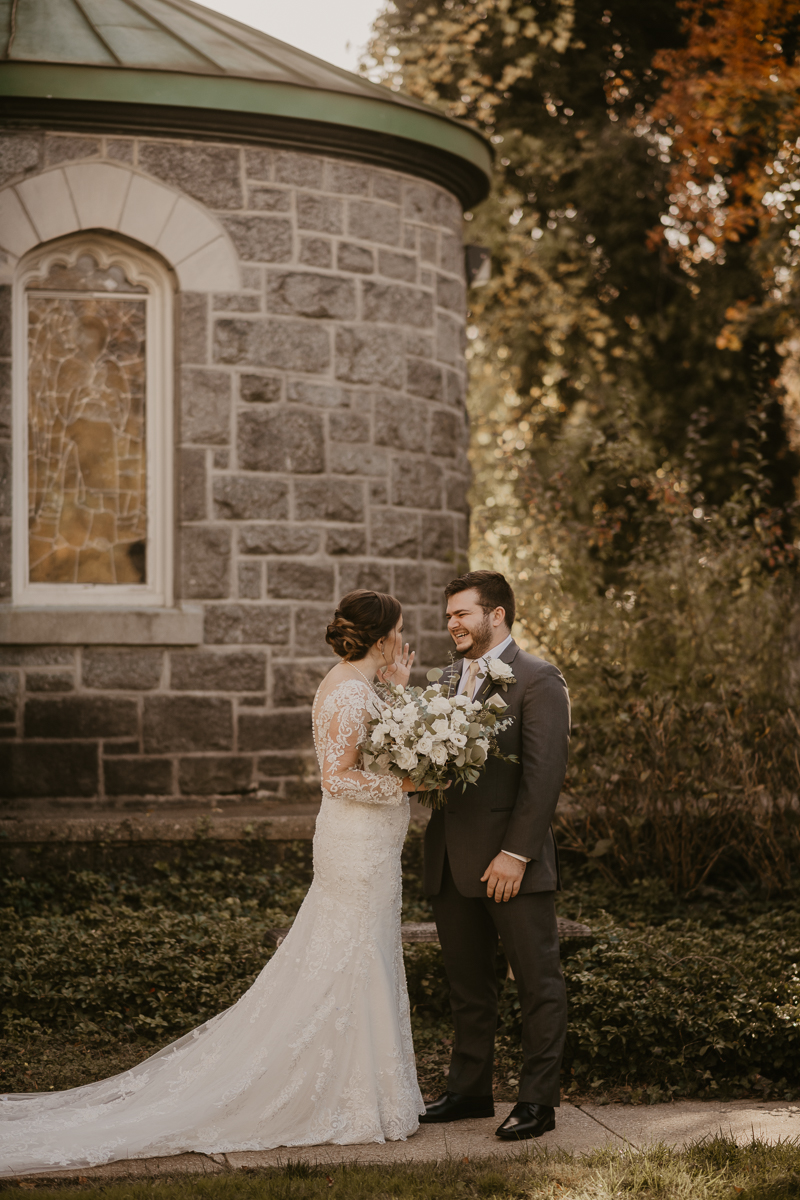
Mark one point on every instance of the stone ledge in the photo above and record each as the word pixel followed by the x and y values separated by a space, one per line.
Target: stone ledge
pixel 100 627
pixel 272 822
pixel 157 827
pixel 426 932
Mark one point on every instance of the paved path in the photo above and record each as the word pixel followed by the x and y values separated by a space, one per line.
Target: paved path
pixel 579 1129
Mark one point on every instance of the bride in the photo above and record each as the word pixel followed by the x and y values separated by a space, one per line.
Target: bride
pixel 319 1049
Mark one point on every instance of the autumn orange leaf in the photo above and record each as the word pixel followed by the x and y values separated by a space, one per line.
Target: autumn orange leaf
pixel 729 118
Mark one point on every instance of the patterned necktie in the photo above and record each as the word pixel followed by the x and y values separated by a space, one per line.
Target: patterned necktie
pixel 472 672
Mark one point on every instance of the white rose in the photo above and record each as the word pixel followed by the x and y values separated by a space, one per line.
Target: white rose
pixel 439 754
pixel 441 705
pixel 460 701
pixel 406 758
pixel 499 670
pixel 441 728
pixel 458 740
pixel 408 715
pixel 425 744
pixel 379 732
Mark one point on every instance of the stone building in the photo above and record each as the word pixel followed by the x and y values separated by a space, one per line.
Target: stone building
pixel 233 389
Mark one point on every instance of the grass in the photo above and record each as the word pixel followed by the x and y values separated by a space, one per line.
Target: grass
pixel 715 1169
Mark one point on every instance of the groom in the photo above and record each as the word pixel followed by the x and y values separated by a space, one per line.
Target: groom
pixel 491 868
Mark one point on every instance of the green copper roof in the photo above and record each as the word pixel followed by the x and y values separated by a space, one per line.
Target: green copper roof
pixel 180 54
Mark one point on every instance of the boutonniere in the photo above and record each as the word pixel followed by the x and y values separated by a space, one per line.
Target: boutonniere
pixel 499 672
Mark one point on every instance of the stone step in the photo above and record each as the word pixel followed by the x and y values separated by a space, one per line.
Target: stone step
pixel 159 827
pixel 426 931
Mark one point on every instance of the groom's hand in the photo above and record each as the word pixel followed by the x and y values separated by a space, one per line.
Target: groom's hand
pixel 503 877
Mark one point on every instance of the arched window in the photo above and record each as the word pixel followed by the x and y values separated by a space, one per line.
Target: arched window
pixel 92 426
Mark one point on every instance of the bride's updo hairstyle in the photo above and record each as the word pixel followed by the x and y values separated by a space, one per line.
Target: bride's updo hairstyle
pixel 361 620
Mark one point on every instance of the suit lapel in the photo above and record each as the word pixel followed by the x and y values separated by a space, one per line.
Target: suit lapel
pixel 509 654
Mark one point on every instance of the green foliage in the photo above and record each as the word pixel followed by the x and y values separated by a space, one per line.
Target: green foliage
pixel 633 470
pixel 678 1009
pixel 693 1011
pixel 112 971
pixel 654 576
pixel 190 877
pixel 682 661
pixel 698 1003
pixel 583 321
pixel 149 952
pixel 677 624
pixel 142 952
pixel 689 792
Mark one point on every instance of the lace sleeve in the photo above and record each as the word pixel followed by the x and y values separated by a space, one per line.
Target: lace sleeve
pixel 346 730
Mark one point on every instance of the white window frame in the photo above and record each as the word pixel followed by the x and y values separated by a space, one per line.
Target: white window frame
pixel 144 270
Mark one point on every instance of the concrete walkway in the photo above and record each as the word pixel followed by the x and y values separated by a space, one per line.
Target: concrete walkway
pixel 579 1129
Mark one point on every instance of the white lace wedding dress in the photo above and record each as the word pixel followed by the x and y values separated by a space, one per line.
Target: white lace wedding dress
pixel 318 1050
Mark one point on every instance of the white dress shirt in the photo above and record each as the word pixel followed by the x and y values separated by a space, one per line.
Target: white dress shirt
pixel 495 652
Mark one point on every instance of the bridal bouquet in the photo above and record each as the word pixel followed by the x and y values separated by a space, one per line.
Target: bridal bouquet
pixel 434 736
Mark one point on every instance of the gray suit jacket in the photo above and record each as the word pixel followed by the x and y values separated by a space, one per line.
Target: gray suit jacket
pixel 511 807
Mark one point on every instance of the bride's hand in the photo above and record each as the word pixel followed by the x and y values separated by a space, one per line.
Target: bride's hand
pixel 400 670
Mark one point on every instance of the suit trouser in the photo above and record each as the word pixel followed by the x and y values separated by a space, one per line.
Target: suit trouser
pixel 468 931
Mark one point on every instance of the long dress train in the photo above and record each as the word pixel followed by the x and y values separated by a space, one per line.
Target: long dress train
pixel 317 1051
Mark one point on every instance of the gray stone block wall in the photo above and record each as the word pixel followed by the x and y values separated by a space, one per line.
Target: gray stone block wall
pixel 322 446
pixel 5 446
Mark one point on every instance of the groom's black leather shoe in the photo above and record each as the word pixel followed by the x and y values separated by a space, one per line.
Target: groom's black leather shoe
pixel 527 1121
pixel 454 1107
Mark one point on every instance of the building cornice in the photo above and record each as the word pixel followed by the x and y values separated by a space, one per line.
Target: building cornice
pixel 162 103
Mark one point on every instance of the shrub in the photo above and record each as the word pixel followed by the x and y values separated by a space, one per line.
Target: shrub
pixel 680 1007
pixel 685 790
pixel 108 971
pixel 677 625
pixel 690 1009
pixel 197 876
pixel 149 951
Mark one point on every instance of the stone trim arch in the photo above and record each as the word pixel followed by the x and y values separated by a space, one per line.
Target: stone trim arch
pixel 69 199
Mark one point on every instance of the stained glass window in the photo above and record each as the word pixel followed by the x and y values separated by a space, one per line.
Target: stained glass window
pixel 87 452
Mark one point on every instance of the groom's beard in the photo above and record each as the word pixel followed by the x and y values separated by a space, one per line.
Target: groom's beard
pixel 481 640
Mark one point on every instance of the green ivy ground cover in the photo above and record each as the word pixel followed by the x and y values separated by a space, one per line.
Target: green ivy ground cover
pixel 692 1002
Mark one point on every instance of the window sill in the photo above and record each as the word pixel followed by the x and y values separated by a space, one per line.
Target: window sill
pixel 104 627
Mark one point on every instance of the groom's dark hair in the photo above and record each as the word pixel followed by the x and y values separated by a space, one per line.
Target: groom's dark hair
pixel 494 591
